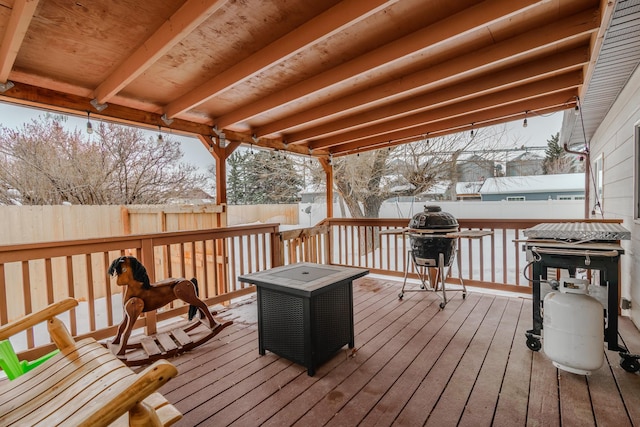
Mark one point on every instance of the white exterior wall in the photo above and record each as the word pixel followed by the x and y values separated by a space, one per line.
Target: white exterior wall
pixel 615 138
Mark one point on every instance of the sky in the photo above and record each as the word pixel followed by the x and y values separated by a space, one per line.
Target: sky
pixel 538 131
pixel 14 116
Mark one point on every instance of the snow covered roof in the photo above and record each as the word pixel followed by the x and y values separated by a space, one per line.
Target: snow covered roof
pixel 402 188
pixel 534 183
pixel 527 155
pixel 313 188
pixel 468 187
pixel 438 188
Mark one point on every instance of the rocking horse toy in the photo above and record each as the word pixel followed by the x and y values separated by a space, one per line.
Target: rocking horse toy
pixel 141 296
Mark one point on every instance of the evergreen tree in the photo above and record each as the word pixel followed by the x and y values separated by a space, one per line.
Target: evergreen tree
pixel 235 178
pixel 556 160
pixel 262 177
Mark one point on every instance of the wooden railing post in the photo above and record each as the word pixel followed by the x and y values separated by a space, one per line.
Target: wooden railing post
pixel 148 259
pixel 277 249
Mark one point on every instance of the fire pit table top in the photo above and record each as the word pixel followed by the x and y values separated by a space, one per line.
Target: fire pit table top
pixel 305 278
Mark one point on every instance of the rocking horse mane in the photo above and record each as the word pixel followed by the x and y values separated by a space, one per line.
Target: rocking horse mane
pixel 138 271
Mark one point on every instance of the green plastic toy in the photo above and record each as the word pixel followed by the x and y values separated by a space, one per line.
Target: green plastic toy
pixel 14 367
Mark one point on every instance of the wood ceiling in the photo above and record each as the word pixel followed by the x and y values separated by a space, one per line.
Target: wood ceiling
pixel 317 77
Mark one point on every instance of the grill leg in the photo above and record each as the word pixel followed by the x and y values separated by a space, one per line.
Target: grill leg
pixel 406 273
pixel 441 274
pixel 459 263
pixel 431 277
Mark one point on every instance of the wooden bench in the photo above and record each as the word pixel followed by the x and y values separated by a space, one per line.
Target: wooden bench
pixel 83 385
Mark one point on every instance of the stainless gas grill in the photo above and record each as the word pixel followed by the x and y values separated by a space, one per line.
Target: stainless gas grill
pixel 578 245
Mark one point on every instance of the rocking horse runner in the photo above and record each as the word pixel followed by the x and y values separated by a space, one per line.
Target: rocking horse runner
pixel 141 296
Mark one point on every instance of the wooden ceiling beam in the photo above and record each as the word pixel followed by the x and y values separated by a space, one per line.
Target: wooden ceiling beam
pixel 421 41
pixel 67 103
pixel 574 26
pixel 465 108
pixel 47 99
pixel 186 19
pixel 545 104
pixel 536 69
pixel 316 30
pixel 21 16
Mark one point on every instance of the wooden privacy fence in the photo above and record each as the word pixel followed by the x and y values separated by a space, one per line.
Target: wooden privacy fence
pixel 29 224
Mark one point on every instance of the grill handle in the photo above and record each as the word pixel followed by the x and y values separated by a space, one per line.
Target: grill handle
pixel 586 253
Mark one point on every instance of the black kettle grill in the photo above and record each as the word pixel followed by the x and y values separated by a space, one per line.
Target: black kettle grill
pixel 433 237
pixel 428 232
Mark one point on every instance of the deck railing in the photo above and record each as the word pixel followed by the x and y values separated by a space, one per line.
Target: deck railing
pixel 494 261
pixel 34 275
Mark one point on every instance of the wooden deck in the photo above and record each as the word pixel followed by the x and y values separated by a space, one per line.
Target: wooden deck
pixel 415 364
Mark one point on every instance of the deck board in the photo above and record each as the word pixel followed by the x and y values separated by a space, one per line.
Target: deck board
pixel 606 411
pixel 376 361
pixel 484 396
pixel 513 398
pixel 433 384
pixel 415 364
pixel 627 384
pixel 387 325
pixel 367 398
pixel 453 400
pixel 544 405
pixel 434 337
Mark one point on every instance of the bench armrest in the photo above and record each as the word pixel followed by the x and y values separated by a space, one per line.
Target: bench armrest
pixel 146 383
pixel 33 319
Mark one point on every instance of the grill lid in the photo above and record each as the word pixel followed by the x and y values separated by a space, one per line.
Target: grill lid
pixel 433 219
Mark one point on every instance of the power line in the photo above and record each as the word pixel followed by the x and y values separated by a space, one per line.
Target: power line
pixel 495 150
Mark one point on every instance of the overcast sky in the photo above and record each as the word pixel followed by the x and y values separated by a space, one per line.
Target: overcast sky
pixel 538 131
pixel 13 116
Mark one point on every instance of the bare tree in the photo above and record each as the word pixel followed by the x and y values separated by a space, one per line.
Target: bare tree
pixel 364 181
pixel 45 163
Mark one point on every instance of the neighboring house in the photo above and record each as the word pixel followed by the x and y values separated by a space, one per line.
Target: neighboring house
pixel 316 194
pixel 474 168
pixel 194 197
pixel 527 163
pixel 468 190
pixel 568 186
pixel 438 191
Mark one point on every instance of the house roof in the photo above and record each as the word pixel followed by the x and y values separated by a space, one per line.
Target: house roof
pixel 534 184
pixel 310 77
pixel 618 58
pixel 468 187
pixel 526 156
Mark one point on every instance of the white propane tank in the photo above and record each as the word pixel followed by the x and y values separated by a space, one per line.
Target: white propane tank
pixel 573 328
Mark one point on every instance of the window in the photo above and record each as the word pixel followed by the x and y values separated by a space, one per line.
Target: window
pixel 598 177
pixel 515 198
